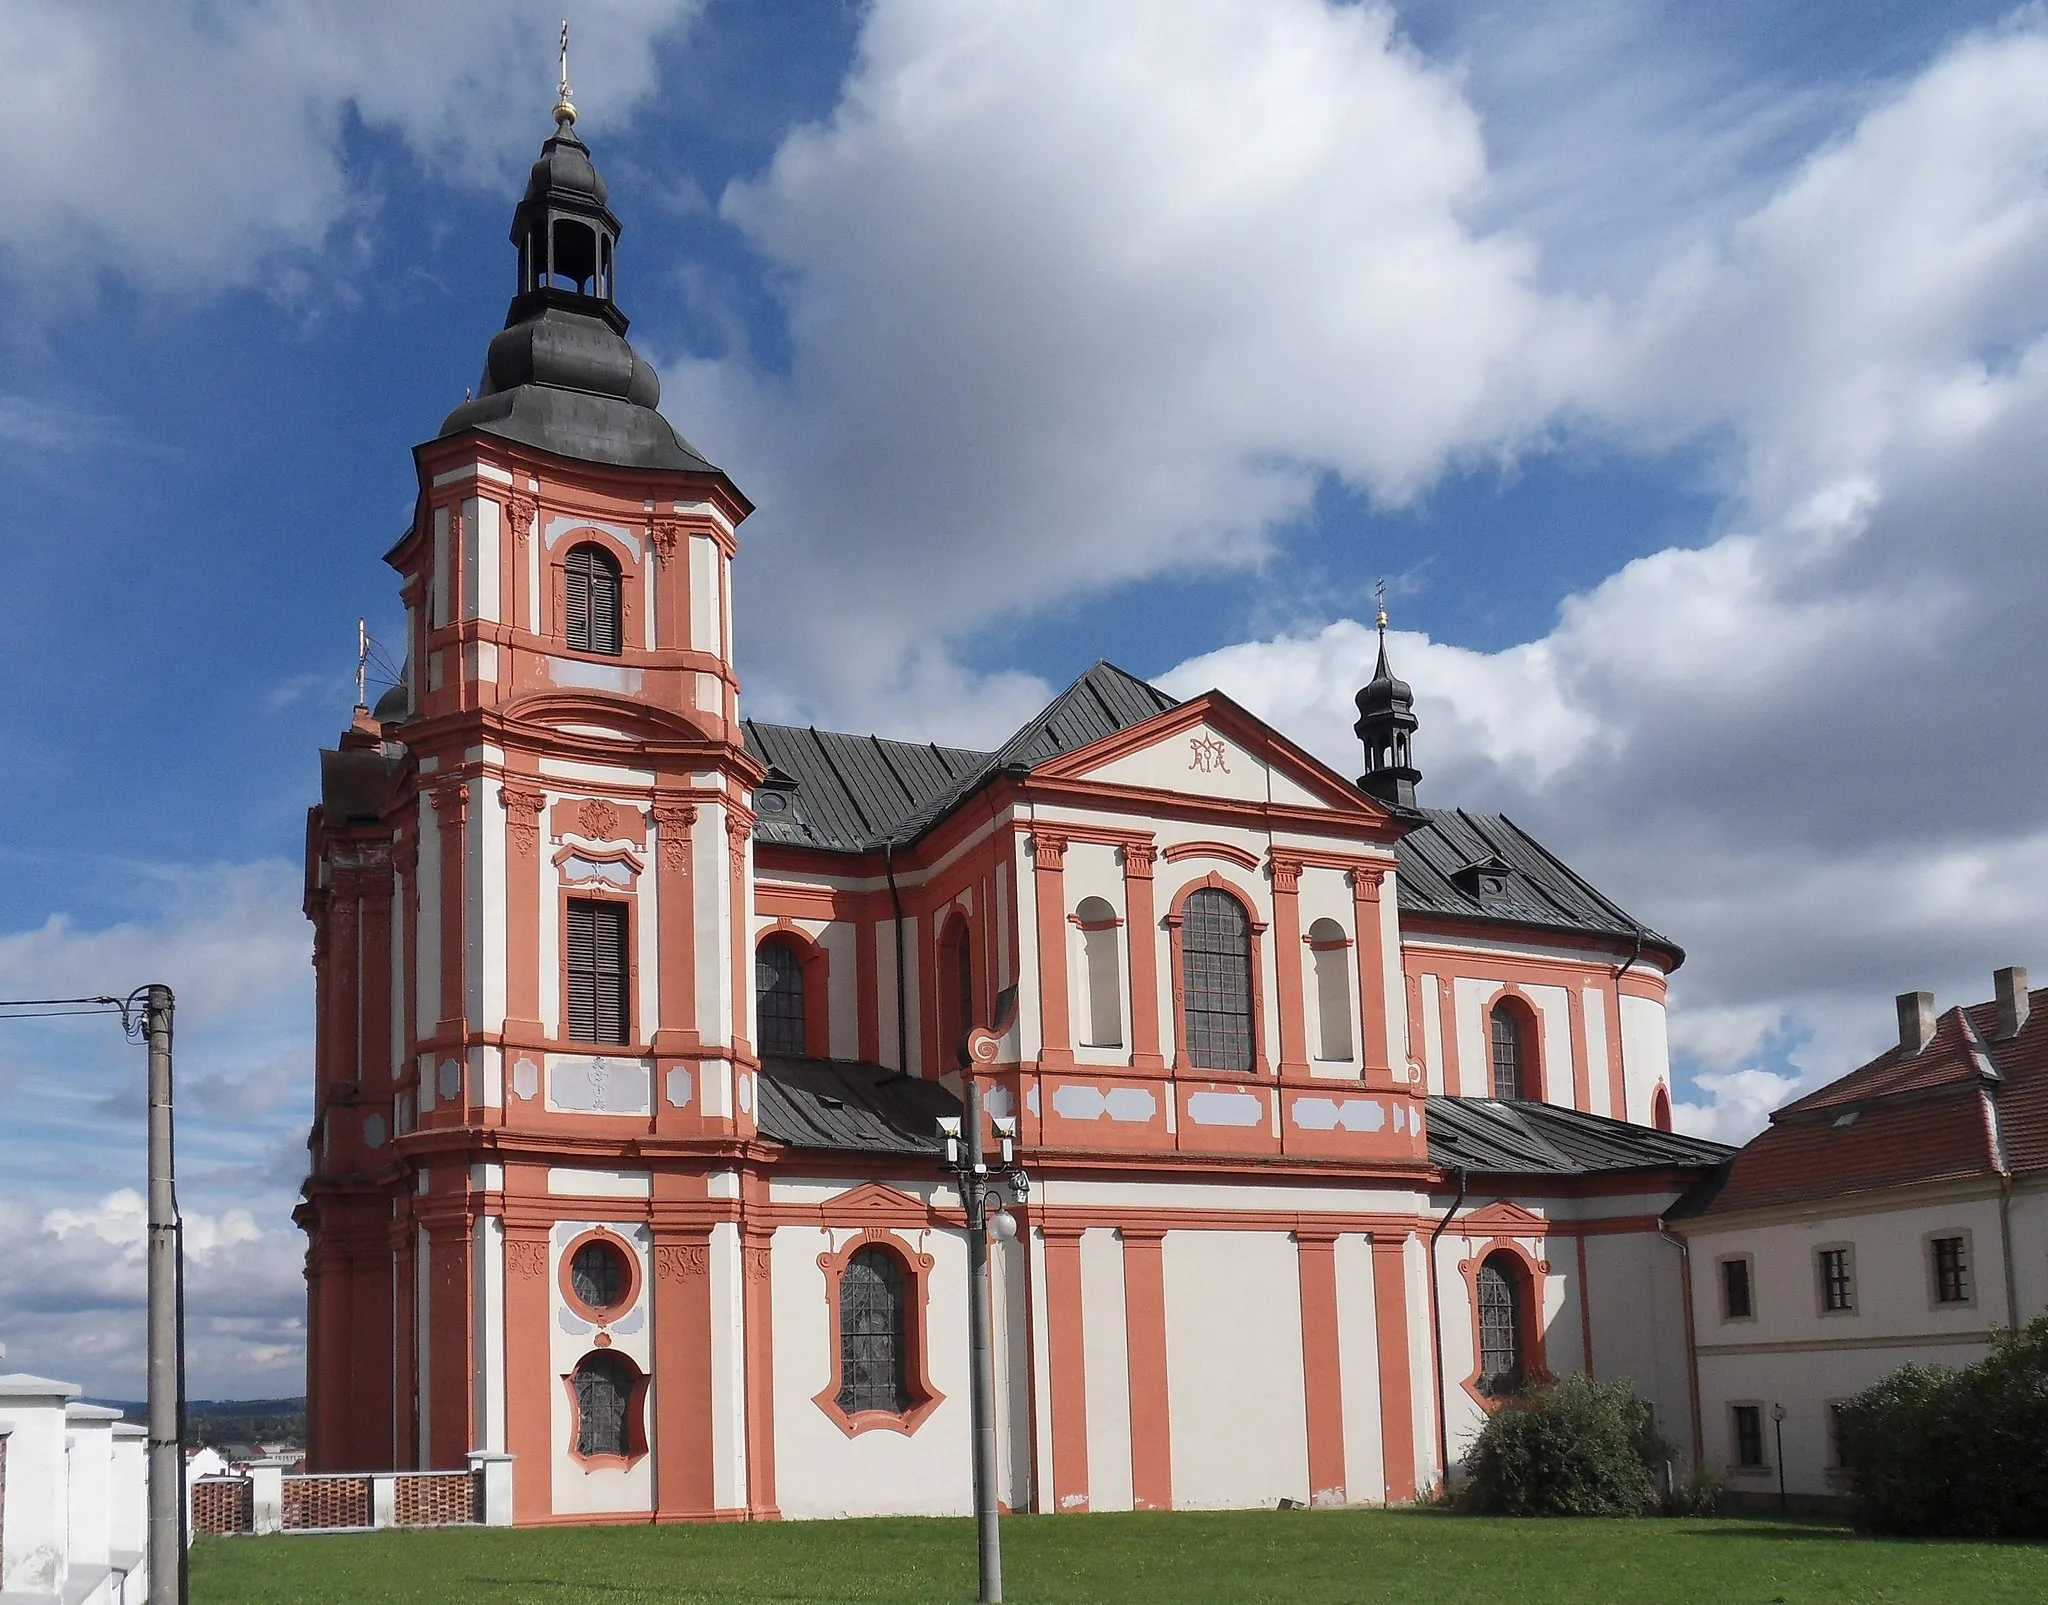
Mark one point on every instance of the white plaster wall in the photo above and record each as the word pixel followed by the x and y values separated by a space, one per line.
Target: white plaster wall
pixel 427 973
pixel 38 1506
pixel 704 603
pixel 1553 1009
pixel 1168 765
pixel 714 927
pixel 1030 984
pixel 1645 1054
pixel 88 1456
pixel 581 1490
pixel 1092 870
pixel 487 1264
pixel 1041 1379
pixel 1593 1018
pixel 728 1370
pixel 1394 991
pixel 1634 1288
pixel 1106 1363
pixel 550 921
pixel 1233 1369
pixel 819 1470
pixel 486 879
pixel 1433 1034
pixel 1358 1370
pixel 842 987
pixel 1470 1000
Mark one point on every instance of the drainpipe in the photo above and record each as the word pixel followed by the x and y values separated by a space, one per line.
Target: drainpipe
pixel 1436 1332
pixel 902 1008
pixel 1692 1356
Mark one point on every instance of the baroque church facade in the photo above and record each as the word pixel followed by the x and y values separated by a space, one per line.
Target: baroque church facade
pixel 1344 1117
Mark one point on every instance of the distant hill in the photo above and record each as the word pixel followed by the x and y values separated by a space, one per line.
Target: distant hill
pixel 225 1421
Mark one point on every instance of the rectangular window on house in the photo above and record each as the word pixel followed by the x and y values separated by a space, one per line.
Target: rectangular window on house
pixel 597 972
pixel 1749 1435
pixel 1951 1270
pixel 1736 1301
pixel 1837 1281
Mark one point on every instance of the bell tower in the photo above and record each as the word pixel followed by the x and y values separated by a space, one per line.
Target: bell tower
pixel 1386 725
pixel 556 1029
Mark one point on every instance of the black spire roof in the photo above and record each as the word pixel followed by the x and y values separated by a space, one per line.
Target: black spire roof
pixel 560 376
pixel 1386 721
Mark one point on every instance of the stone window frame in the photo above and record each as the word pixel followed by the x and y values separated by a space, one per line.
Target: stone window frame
pixel 1721 1286
pixel 916 1269
pixel 1935 1302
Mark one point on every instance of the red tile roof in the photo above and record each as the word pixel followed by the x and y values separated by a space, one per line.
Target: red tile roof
pixel 1903 1119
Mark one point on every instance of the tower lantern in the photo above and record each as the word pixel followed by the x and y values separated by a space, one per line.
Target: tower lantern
pixel 1386 726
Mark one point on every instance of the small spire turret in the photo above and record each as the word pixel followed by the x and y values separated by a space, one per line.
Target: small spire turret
pixel 1386 724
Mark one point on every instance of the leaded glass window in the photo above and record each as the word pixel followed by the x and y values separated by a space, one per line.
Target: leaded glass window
pixel 873 1373
pixel 597 1271
pixel 1951 1271
pixel 1216 980
pixel 1507 1053
pixel 779 999
pixel 597 972
pixel 1500 1329
pixel 590 600
pixel 604 1386
pixel 1837 1284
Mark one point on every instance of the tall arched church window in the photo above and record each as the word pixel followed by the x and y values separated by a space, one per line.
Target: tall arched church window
pixel 1216 980
pixel 1501 1367
pixel 874 1372
pixel 1513 1076
pixel 779 999
pixel 1103 1013
pixel 1332 950
pixel 591 596
pixel 606 1385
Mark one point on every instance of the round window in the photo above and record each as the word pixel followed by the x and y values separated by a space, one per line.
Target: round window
pixel 599 1274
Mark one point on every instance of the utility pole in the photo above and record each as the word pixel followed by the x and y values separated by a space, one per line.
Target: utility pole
pixel 166 1339
pixel 976 1180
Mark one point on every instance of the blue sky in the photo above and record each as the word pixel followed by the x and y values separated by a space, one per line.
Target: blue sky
pixel 1681 368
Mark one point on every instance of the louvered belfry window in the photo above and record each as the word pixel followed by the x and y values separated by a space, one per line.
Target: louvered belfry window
pixel 1507 1054
pixel 597 972
pixel 873 1369
pixel 1216 980
pixel 779 999
pixel 1500 1330
pixel 590 600
pixel 604 1393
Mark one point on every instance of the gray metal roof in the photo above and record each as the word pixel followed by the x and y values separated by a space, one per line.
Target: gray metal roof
pixel 1491 1137
pixel 849 1106
pixel 855 793
pixel 1535 887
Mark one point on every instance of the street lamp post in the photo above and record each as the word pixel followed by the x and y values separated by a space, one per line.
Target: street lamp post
pixel 1778 1420
pixel 981 1187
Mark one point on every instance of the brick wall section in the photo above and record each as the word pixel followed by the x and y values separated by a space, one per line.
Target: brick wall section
pixel 438 1499
pixel 320 1503
pixel 223 1505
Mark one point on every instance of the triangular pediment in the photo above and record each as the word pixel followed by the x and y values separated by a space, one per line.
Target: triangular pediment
pixel 1209 746
pixel 1506 1219
pixel 872 1203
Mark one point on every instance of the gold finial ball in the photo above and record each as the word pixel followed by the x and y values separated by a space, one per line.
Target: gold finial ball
pixel 564 111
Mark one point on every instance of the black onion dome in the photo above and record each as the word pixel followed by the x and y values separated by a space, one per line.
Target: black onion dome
pixel 1383 693
pixel 560 376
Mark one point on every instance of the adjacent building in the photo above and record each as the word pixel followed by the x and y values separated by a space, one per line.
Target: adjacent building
pixel 1897 1214
pixel 1345 1116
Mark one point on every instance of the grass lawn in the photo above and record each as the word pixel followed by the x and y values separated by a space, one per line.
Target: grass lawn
pixel 1175 1559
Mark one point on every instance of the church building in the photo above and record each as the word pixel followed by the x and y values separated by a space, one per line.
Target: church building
pixel 1344 1117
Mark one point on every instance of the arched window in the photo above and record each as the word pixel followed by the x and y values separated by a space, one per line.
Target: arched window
pixel 1660 1110
pixel 590 600
pixel 1513 1076
pixel 874 1371
pixel 607 1388
pixel 1104 1014
pixel 1332 950
pixel 956 990
pixel 1501 1367
pixel 1216 980
pixel 779 999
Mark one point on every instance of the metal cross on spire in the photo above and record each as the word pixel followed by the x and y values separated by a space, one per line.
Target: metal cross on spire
pixel 1380 592
pixel 362 658
pixel 565 108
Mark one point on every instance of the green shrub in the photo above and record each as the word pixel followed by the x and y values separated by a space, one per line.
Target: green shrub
pixel 1934 1452
pixel 1573 1448
pixel 1696 1495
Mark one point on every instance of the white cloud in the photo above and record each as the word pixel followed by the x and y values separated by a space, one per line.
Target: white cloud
pixel 1079 294
pixel 186 147
pixel 72 1288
